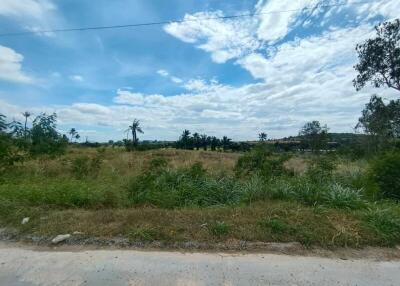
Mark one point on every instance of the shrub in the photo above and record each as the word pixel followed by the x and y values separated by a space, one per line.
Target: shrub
pixel 337 196
pixel 385 173
pixel 219 228
pixel 321 169
pixel 261 161
pixel 275 225
pixel 192 186
pixel 385 223
pixel 83 166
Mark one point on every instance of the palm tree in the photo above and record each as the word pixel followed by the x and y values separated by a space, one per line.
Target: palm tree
pixel 225 142
pixel 262 136
pixel 16 128
pixel 185 138
pixel 73 133
pixel 26 114
pixel 196 140
pixel 135 128
pixel 3 124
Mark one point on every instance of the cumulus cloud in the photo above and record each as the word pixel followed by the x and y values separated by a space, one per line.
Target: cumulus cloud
pixel 77 78
pixel 128 97
pixel 11 66
pixel 166 74
pixel 31 14
pixel 277 17
pixel 224 39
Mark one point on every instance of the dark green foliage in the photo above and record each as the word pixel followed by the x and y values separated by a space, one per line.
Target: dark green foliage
pixel 314 136
pixel 261 161
pixel 168 188
pixel 275 225
pixel 385 173
pixel 385 223
pixel 45 137
pixel 379 58
pixel 219 228
pixel 84 166
pixel 321 169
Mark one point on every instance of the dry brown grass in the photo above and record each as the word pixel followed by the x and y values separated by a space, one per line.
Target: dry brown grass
pixel 304 224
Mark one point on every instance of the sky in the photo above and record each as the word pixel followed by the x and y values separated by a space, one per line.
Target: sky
pixel 290 63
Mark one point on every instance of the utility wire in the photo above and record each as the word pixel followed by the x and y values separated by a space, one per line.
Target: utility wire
pixel 176 21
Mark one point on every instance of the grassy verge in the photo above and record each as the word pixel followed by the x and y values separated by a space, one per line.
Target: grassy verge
pixel 167 197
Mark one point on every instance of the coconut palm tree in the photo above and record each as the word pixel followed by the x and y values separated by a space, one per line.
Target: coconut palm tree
pixel 26 114
pixel 185 138
pixel 135 128
pixel 3 124
pixel 225 142
pixel 262 136
pixel 73 133
pixel 196 140
pixel 204 141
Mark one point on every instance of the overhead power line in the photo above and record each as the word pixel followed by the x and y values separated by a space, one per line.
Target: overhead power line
pixel 25 33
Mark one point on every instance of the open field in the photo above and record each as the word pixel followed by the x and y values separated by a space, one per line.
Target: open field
pixel 175 196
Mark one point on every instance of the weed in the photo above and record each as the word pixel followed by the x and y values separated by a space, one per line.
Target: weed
pixel 219 228
pixel 275 225
pixel 385 223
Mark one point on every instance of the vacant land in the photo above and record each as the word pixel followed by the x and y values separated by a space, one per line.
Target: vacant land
pixel 175 196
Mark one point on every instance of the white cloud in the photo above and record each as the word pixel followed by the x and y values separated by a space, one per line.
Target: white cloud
pixel 127 97
pixel 166 74
pixel 77 78
pixel 176 79
pixel 33 15
pixel 11 66
pixel 224 39
pixel 26 8
pixel 163 73
pixel 278 16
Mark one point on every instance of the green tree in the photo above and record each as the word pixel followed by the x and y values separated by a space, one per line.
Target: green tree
pixel 185 139
pixel 135 128
pixel 314 135
pixel 196 140
pixel 262 137
pixel 380 121
pixel 214 143
pixel 3 123
pixel 379 58
pixel 26 115
pixel 16 129
pixel 72 132
pixel 226 143
pixel 45 137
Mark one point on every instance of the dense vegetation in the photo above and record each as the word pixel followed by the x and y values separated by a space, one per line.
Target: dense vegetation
pixel 317 188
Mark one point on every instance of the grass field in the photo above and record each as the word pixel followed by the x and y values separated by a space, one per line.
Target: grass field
pixel 181 196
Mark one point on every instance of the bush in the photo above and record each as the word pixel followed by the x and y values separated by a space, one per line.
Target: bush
pixel 321 169
pixel 385 223
pixel 192 186
pixel 385 173
pixel 219 228
pixel 261 161
pixel 83 166
pixel 275 225
pixel 337 196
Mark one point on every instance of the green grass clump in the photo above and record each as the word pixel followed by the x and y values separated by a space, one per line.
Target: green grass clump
pixel 276 225
pixel 385 222
pixel 219 228
pixel 168 188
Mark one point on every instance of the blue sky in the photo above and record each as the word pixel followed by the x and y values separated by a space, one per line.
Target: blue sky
pixel 236 77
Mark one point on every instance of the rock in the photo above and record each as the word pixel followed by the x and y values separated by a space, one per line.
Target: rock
pixel 60 238
pixel 25 220
pixel 77 233
pixel 398 247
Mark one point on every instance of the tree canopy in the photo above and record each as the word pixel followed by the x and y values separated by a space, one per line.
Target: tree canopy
pixel 379 58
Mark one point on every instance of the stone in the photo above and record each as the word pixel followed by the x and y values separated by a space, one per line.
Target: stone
pixel 60 238
pixel 25 220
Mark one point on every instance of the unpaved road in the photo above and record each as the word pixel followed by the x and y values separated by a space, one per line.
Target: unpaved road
pixel 27 267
